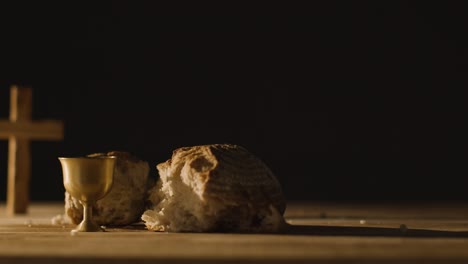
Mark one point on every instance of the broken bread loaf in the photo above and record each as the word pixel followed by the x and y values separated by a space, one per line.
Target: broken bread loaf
pixel 212 188
pixel 125 202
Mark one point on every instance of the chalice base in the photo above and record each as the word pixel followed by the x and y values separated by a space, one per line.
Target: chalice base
pixel 88 226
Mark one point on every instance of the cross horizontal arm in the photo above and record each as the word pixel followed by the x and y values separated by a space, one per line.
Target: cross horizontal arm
pixel 44 129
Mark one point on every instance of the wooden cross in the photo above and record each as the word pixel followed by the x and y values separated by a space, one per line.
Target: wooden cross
pixel 19 130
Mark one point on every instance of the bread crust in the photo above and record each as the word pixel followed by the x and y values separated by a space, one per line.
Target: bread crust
pixel 218 187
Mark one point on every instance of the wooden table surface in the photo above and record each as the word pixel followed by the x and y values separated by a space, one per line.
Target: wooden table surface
pixel 320 232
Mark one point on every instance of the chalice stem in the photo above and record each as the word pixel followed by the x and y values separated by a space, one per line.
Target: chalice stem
pixel 87 212
pixel 88 224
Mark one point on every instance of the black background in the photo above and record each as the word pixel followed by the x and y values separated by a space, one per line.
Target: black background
pixel 343 100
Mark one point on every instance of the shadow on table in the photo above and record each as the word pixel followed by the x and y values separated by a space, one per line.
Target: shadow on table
pixel 311 230
pixel 370 231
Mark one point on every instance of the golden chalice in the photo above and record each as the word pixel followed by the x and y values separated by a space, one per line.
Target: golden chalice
pixel 88 179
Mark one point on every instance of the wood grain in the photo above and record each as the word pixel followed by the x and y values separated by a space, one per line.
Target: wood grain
pixel 312 238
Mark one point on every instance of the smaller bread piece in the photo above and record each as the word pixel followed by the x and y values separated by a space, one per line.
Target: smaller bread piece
pixel 215 188
pixel 125 202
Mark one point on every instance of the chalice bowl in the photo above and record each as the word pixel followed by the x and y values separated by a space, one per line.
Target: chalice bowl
pixel 88 179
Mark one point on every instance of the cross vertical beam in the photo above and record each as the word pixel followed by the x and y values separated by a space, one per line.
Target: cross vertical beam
pixel 19 160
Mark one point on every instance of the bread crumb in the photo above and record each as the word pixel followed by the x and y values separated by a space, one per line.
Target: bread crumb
pixel 28 223
pixel 59 219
